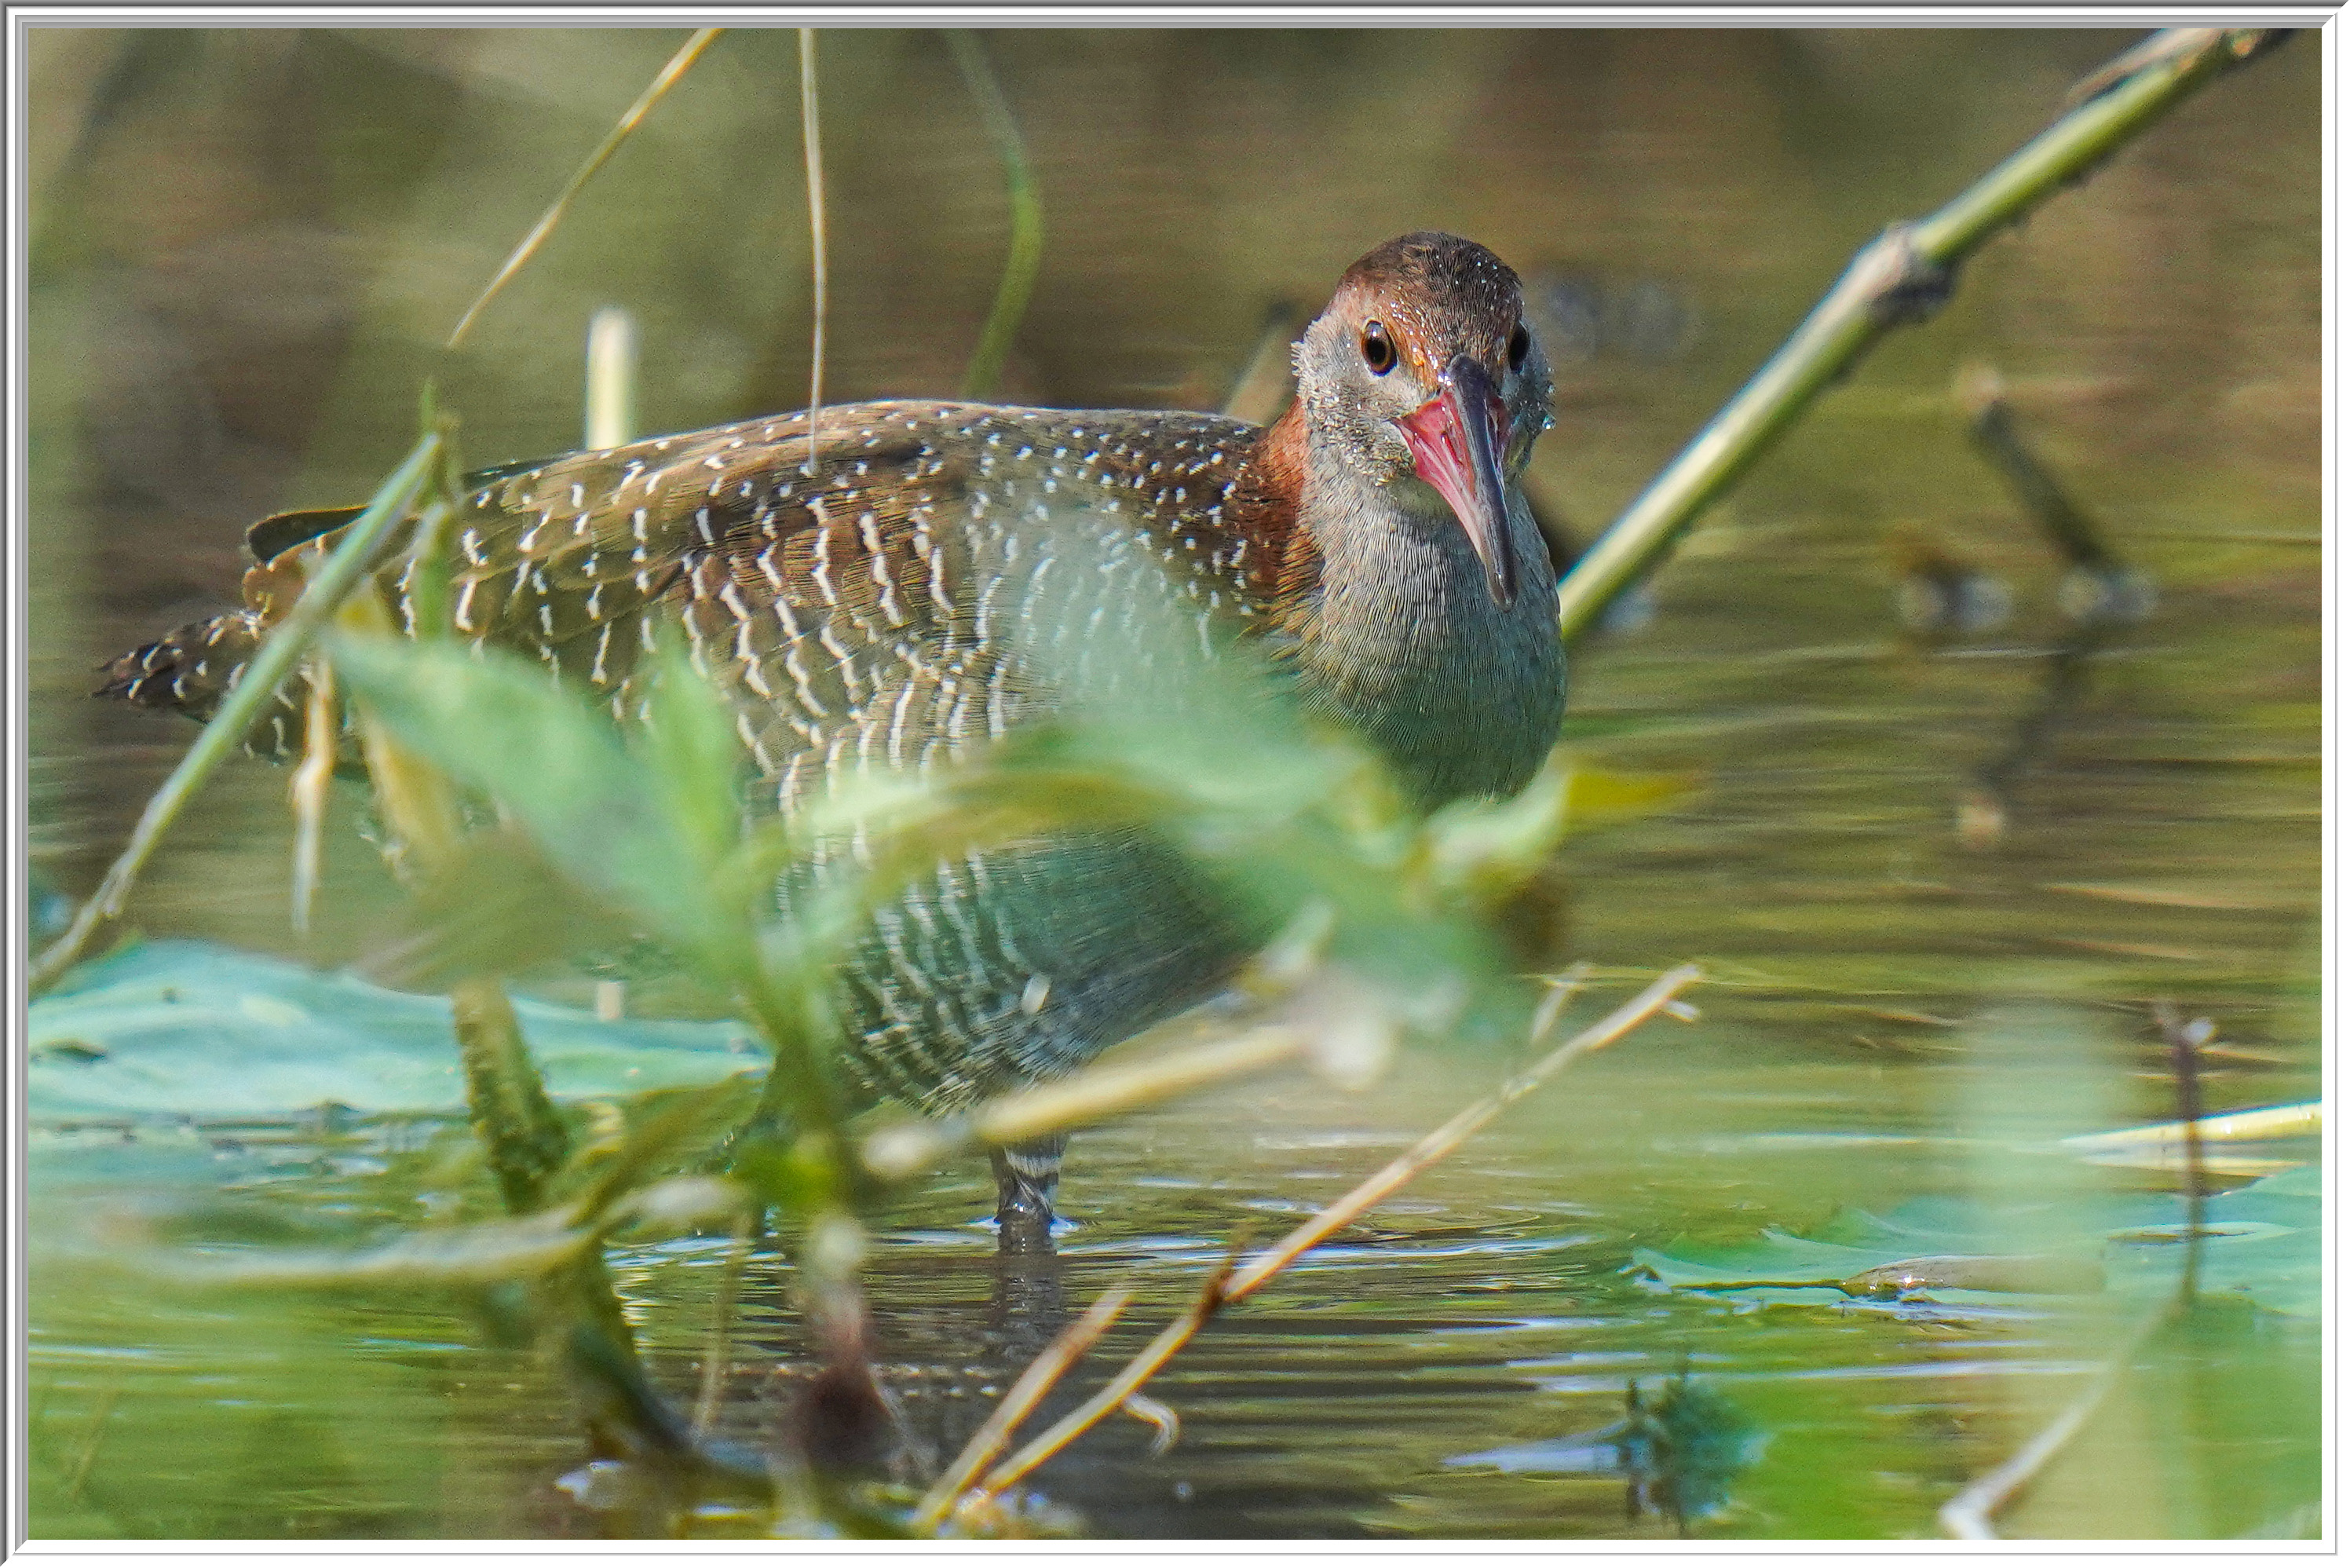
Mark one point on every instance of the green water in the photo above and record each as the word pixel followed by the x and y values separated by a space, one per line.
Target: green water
pixel 240 267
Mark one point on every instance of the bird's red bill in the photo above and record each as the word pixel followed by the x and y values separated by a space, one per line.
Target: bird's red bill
pixel 1457 439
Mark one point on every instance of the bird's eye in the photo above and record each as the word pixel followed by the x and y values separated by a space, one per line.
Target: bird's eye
pixel 1518 344
pixel 1378 352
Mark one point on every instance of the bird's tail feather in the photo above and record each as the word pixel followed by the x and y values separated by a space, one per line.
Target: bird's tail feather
pixel 192 670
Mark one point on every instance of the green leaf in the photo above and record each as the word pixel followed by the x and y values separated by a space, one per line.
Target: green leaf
pixel 688 742
pixel 168 1031
pixel 1595 797
pixel 498 908
pixel 497 722
pixel 1488 848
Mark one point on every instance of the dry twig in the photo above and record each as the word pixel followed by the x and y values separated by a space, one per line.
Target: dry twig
pixel 2306 1119
pixel 814 151
pixel 1024 1395
pixel 1088 1097
pixel 1115 1395
pixel 308 787
pixel 678 65
pixel 1229 1287
pixel 1658 998
pixel 1151 1413
pixel 1559 989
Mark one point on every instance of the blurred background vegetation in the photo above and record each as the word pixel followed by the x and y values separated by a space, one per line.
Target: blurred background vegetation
pixel 247 245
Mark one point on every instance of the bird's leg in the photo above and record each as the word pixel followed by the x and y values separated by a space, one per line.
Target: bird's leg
pixel 1027 1310
pixel 1026 1175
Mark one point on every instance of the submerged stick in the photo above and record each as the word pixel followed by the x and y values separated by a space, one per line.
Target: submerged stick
pixel 78 1476
pixel 679 64
pixel 1991 425
pixel 271 663
pixel 1027 217
pixel 1901 277
pixel 1229 1287
pixel 2101 592
pixel 2183 1040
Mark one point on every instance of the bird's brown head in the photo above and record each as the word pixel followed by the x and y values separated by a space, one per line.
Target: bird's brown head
pixel 1422 375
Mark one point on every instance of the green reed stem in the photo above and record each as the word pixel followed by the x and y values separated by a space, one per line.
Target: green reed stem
pixel 1902 276
pixel 270 665
pixel 512 1114
pixel 1027 251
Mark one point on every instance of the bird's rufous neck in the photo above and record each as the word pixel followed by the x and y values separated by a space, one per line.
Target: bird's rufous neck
pixel 1268 508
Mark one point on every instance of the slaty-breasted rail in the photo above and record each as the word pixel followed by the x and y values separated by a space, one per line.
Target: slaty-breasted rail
pixel 933 580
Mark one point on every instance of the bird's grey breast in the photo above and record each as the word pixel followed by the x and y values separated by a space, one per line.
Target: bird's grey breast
pixel 1462 696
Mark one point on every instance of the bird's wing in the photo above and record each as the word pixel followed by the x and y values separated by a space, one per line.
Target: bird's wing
pixel 889 608
pixel 873 611
pixel 563 559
